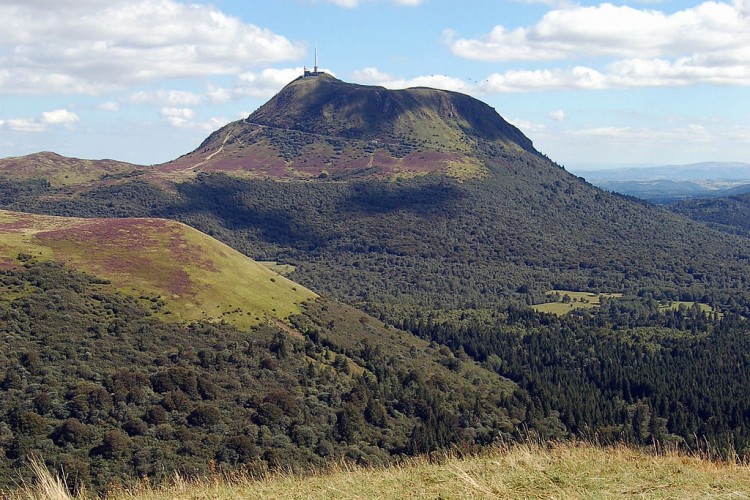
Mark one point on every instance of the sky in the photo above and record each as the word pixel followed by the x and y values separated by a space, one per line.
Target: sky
pixel 641 82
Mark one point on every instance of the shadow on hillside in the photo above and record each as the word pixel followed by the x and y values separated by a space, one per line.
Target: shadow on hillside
pixel 436 198
pixel 266 207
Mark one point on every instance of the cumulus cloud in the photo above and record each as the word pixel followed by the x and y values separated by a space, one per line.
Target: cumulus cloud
pixel 185 118
pixel 527 126
pixel 94 46
pixel 376 77
pixel 218 95
pixel 557 115
pixel 267 82
pixel 24 125
pixel 166 97
pixel 611 30
pixel 708 43
pixel 631 73
pixel 59 117
pixel 178 117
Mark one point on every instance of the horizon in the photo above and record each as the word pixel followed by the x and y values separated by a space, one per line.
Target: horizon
pixel 147 81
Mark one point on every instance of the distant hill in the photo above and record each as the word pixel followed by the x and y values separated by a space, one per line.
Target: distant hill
pixel 672 183
pixel 730 213
pixel 184 274
pixel 61 171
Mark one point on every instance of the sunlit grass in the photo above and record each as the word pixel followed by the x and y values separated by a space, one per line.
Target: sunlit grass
pixel 195 276
pixel 520 471
pixel 566 301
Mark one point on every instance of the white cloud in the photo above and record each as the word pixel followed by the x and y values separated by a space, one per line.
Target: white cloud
pixel 611 30
pixel 377 77
pixel 527 126
pixel 557 115
pixel 218 95
pixel 214 123
pixel 96 46
pixel 631 73
pixel 265 83
pixel 59 117
pixel 24 125
pixel 709 43
pixel 185 118
pixel 165 97
pixel 178 117
pixel 109 106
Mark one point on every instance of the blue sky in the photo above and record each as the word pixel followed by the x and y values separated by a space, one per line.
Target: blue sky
pixel 592 84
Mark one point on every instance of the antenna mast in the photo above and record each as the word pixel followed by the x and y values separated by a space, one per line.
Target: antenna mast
pixel 314 71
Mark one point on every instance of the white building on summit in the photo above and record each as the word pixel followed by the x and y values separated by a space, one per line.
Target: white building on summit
pixel 315 71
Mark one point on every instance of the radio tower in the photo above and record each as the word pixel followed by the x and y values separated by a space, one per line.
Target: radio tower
pixel 315 71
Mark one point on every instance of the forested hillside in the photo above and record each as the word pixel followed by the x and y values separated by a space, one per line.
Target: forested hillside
pixel 632 371
pixel 730 214
pixel 96 385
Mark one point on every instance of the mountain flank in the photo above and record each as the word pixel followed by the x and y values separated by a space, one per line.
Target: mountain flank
pixel 98 386
pixel 184 274
pixel 730 213
pixel 325 128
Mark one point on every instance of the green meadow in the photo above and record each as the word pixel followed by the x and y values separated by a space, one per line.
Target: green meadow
pixel 564 301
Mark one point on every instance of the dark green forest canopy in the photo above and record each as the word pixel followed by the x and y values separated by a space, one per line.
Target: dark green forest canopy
pixel 730 214
pixel 96 386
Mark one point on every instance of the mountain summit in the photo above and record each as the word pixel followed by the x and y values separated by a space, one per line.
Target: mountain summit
pixel 321 126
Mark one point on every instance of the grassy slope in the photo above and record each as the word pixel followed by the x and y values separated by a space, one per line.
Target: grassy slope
pixel 196 276
pixel 62 171
pixel 528 471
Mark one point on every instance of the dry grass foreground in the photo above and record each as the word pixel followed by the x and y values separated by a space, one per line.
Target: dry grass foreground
pixel 561 471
